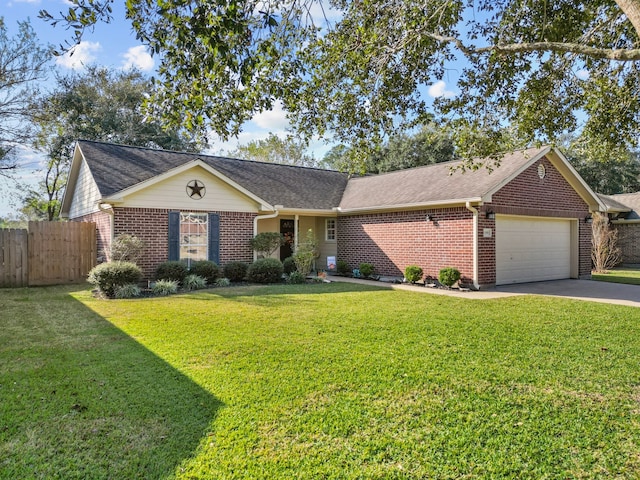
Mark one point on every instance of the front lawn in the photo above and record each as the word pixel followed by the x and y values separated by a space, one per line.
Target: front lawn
pixel 619 275
pixel 316 381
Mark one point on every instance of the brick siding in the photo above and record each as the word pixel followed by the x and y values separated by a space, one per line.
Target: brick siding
pixel 629 241
pixel 103 232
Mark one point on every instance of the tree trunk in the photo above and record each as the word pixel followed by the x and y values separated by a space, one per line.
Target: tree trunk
pixel 631 9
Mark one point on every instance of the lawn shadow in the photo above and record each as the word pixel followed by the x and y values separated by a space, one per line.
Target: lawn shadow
pixel 89 401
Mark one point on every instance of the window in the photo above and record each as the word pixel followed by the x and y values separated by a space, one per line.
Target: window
pixel 193 236
pixel 330 229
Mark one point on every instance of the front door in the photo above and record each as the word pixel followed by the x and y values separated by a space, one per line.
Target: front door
pixel 287 231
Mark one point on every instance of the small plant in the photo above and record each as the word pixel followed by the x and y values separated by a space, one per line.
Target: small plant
pixel 343 267
pixel 172 270
pixel 194 282
pixel 108 276
pixel 306 253
pixel 289 266
pixel 605 253
pixel 266 243
pixel 366 269
pixel 296 278
pixel 265 270
pixel 165 287
pixel 128 290
pixel 413 273
pixel 126 248
pixel 448 276
pixel 223 282
pixel 205 269
pixel 235 271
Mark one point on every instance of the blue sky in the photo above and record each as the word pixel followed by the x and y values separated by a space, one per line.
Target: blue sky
pixel 114 45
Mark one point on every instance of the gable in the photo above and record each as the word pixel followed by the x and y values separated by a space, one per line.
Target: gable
pixel 172 193
pixel 85 196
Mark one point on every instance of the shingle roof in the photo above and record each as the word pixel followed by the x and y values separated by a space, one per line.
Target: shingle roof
pixel 117 167
pixel 624 202
pixel 433 183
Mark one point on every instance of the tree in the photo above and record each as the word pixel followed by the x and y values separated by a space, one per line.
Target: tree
pixel 540 66
pixel 605 253
pixel 273 149
pixel 96 105
pixel 22 63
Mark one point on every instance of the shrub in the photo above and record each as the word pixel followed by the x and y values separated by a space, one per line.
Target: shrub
pixel 194 282
pixel 366 269
pixel 448 276
pixel 172 270
pixel 205 269
pixel 413 273
pixel 223 282
pixel 265 270
pixel 128 290
pixel 306 253
pixel 266 243
pixel 126 248
pixel 605 253
pixel 296 278
pixel 343 267
pixel 165 287
pixel 235 271
pixel 108 276
pixel 289 266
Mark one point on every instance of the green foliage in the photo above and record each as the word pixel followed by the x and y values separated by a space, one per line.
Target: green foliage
pixel 295 278
pixel 107 277
pixel 205 269
pixel 128 290
pixel 289 265
pixel 448 276
pixel 165 287
pixel 266 243
pixel 306 253
pixel 172 270
pixel 223 282
pixel 126 248
pixel 235 271
pixel 265 270
pixel 366 269
pixel 342 267
pixel 194 282
pixel 413 273
pixel 273 149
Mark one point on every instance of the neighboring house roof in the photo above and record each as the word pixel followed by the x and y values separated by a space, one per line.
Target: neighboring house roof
pixel 627 203
pixel 445 183
pixel 118 167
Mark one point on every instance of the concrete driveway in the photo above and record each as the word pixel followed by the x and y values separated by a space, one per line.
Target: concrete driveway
pixel 603 292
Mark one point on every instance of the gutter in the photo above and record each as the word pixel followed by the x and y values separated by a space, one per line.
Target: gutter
pixel 263 217
pixel 475 244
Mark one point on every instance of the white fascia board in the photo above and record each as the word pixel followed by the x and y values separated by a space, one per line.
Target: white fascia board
pixel 412 206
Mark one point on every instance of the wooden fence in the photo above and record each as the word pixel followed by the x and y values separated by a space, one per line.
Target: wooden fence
pixel 47 253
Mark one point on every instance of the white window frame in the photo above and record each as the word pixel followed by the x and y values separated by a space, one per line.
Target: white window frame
pixel 333 229
pixel 188 236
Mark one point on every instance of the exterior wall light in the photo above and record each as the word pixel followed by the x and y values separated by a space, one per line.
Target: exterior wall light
pixel 490 215
pixel 588 219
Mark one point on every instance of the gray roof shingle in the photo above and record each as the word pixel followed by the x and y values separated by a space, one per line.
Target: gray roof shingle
pixel 624 202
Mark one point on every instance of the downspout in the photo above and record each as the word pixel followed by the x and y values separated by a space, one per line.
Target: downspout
pixel 109 211
pixel 475 244
pixel 263 217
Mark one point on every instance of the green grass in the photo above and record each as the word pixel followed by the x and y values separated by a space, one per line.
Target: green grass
pixel 630 276
pixel 316 381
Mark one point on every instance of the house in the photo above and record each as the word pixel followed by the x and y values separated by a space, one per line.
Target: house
pixel 524 221
pixel 624 212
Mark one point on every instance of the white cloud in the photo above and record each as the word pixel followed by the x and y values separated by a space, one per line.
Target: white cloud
pixel 439 89
pixel 583 74
pixel 138 57
pixel 80 55
pixel 274 120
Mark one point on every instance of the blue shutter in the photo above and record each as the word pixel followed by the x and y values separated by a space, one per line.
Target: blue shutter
pixel 214 238
pixel 174 235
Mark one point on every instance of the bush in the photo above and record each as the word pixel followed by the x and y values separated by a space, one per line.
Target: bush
pixel 126 248
pixel 366 269
pixel 306 253
pixel 235 271
pixel 165 287
pixel 296 278
pixel 108 276
pixel 223 282
pixel 413 273
pixel 343 267
pixel 128 290
pixel 266 243
pixel 289 266
pixel 265 270
pixel 205 269
pixel 194 282
pixel 448 276
pixel 172 270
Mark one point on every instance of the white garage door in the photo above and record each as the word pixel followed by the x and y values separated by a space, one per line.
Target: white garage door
pixel 531 250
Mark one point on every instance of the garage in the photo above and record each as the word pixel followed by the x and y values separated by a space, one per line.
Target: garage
pixel 530 249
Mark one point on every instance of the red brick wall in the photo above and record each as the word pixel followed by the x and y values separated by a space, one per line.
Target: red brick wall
pixel 392 241
pixel 629 241
pixel 103 230
pixel 152 226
